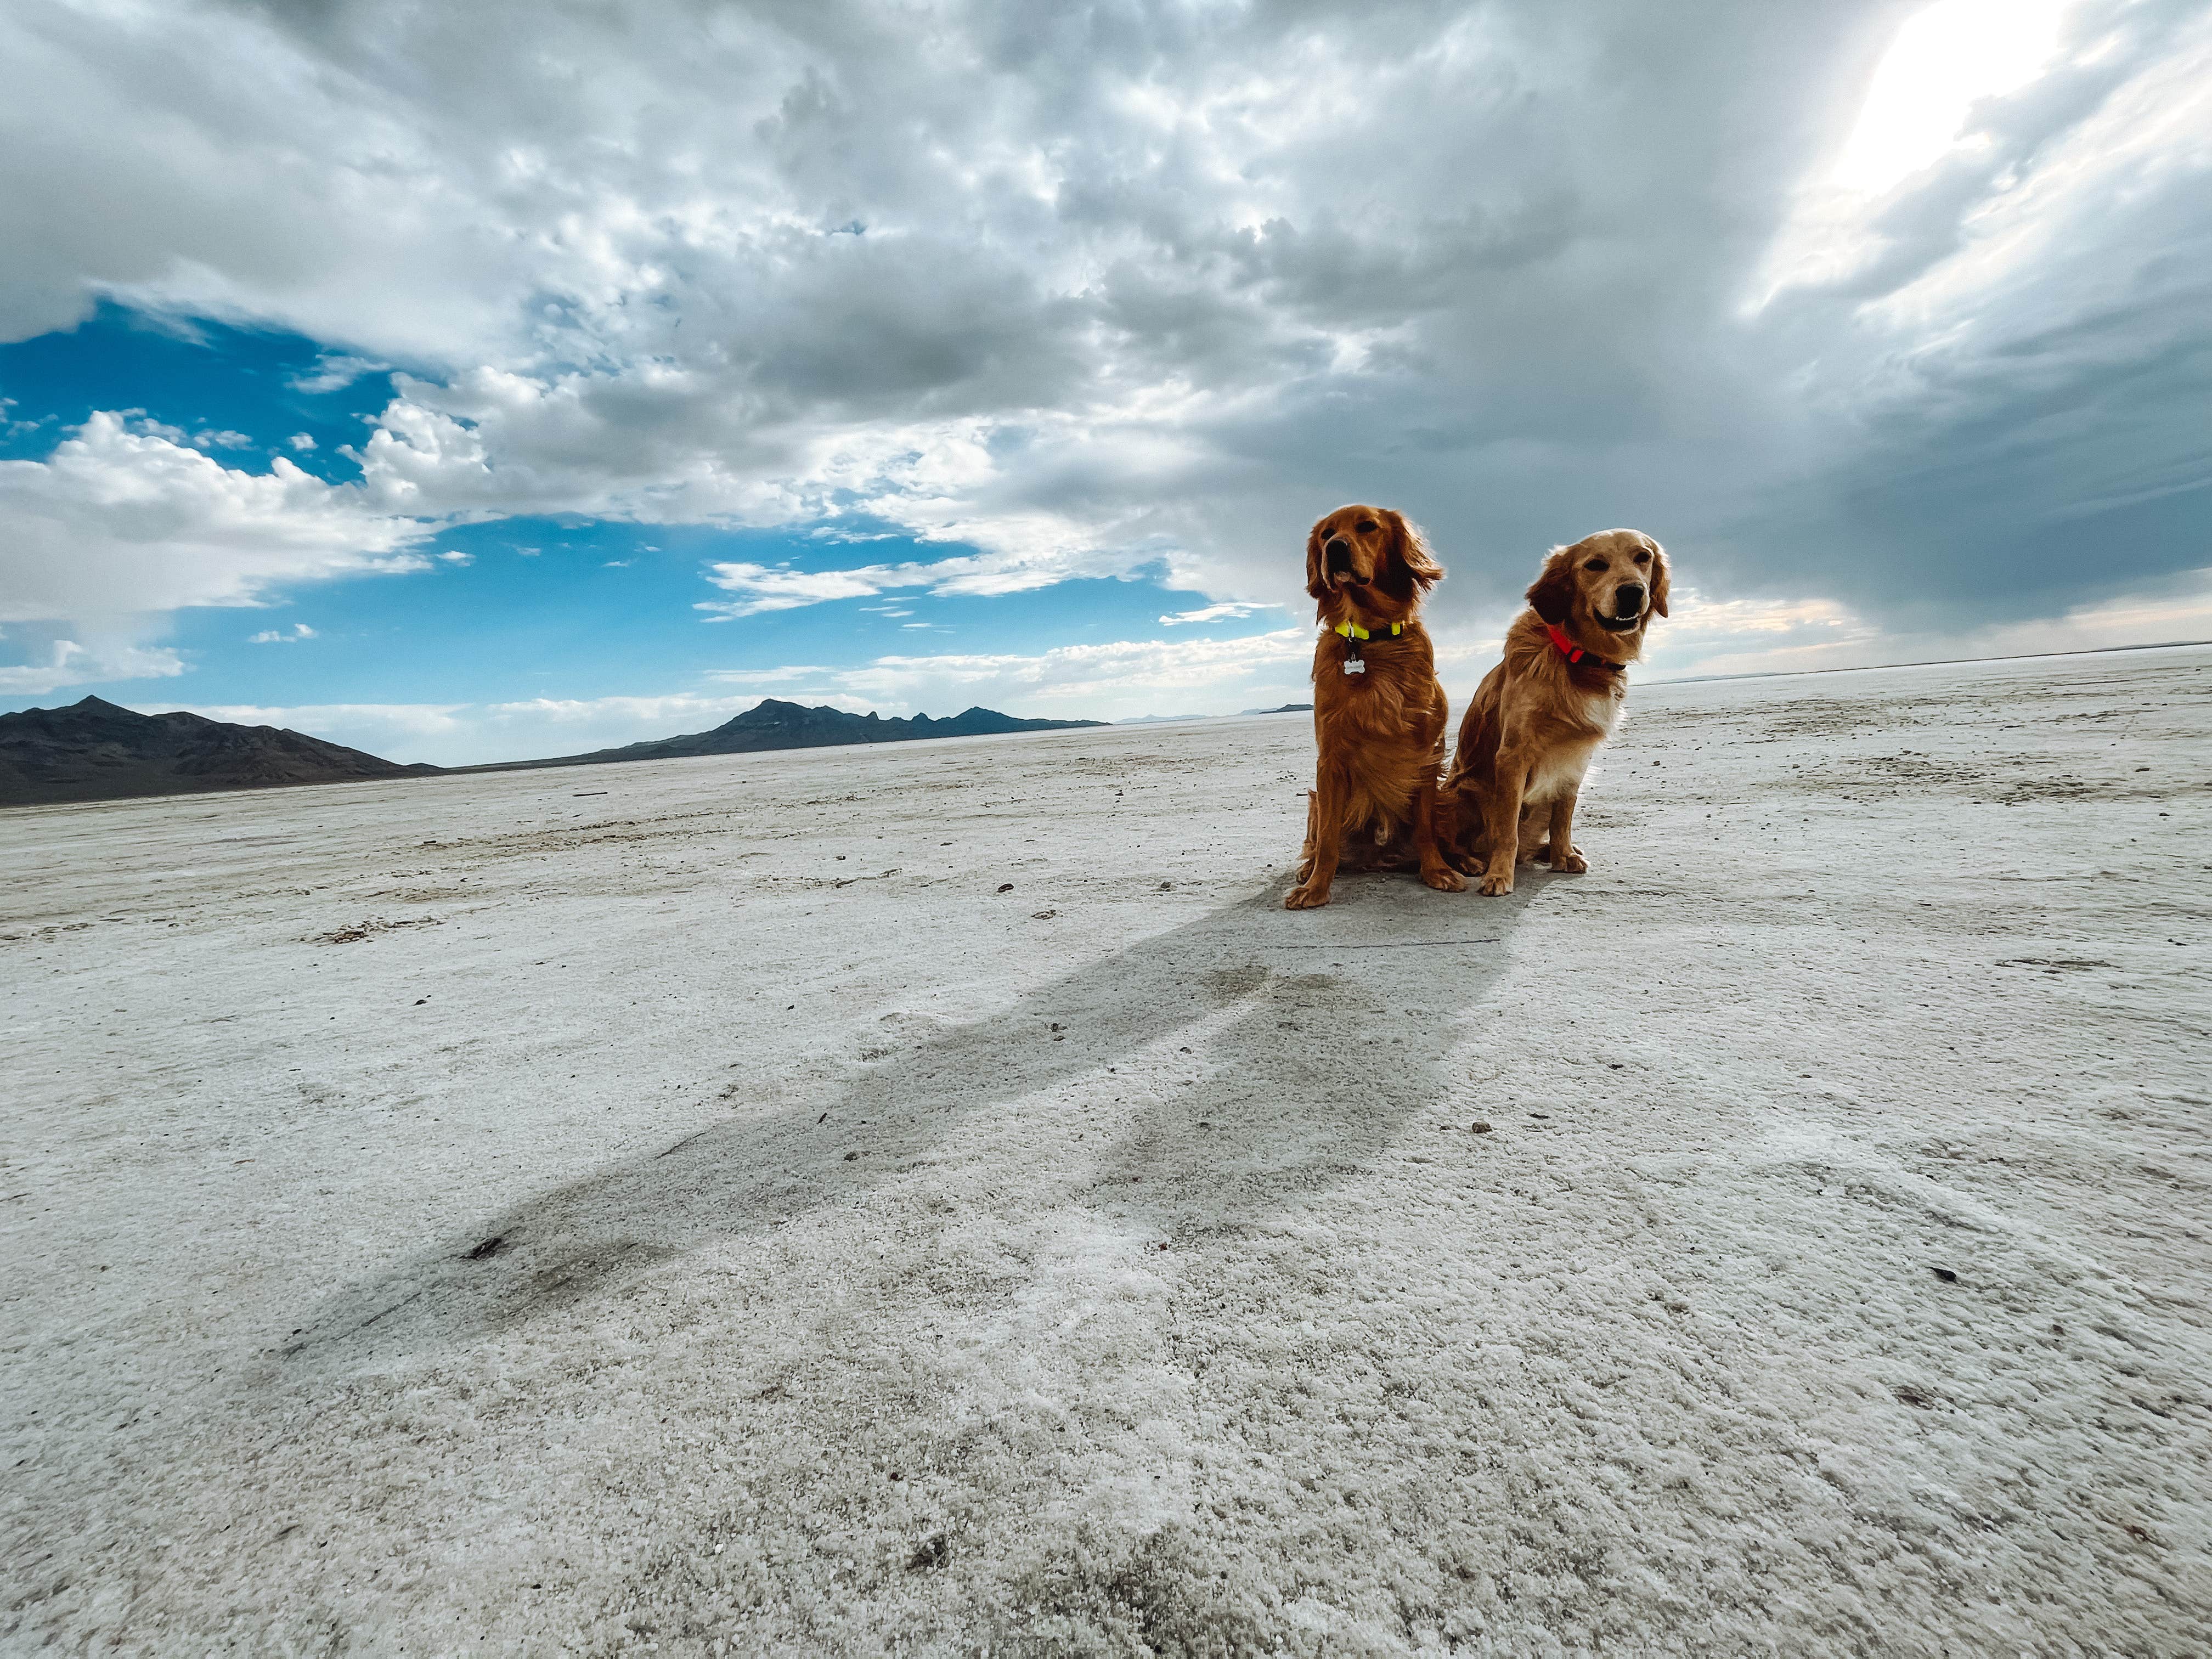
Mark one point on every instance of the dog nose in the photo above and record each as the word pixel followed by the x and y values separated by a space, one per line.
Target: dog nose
pixel 1337 552
pixel 1628 600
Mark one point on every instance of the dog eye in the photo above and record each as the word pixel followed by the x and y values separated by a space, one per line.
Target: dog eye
pixel 1365 526
pixel 1644 558
pixel 1593 564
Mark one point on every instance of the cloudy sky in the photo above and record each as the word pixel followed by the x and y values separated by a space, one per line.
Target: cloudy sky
pixel 471 382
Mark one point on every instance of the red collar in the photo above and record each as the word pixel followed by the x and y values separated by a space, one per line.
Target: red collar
pixel 1576 655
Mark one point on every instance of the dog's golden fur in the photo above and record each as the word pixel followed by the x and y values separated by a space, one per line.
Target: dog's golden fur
pixel 1536 720
pixel 1380 732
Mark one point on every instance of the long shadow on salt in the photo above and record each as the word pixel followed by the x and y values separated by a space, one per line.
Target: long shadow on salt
pixel 1298 1094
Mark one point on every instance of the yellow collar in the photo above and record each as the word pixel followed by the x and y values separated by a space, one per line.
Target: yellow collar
pixel 1354 631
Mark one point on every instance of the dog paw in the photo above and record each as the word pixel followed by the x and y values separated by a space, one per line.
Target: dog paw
pixel 1573 865
pixel 1466 863
pixel 1444 879
pixel 1305 897
pixel 1493 886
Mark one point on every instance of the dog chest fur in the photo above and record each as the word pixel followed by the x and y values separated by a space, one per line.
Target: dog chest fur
pixel 1559 773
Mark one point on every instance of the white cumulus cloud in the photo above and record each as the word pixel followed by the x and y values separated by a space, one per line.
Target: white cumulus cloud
pixel 117 521
pixel 1086 292
pixel 71 662
pixel 1228 609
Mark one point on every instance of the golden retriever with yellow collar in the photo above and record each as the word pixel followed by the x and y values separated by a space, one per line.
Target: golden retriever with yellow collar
pixel 1539 715
pixel 1379 713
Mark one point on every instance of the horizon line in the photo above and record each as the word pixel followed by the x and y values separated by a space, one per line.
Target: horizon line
pixel 1930 662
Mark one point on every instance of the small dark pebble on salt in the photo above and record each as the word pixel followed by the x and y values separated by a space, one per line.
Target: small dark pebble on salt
pixel 849 1157
pixel 934 1553
pixel 1005 887
pixel 1945 1274
pixel 1479 1128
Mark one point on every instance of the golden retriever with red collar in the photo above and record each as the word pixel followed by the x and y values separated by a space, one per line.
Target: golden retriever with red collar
pixel 1539 715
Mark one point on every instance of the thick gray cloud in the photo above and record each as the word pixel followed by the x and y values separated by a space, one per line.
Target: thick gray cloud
pixel 1102 287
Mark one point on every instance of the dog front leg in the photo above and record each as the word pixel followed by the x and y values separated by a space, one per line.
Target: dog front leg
pixel 1565 855
pixel 1435 871
pixel 1501 818
pixel 1533 817
pixel 1459 824
pixel 1325 833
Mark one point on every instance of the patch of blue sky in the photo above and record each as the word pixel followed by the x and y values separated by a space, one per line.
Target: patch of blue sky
pixel 509 608
pixel 525 608
pixel 534 608
pixel 198 376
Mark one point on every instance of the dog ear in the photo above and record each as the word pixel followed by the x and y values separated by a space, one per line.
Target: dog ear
pixel 1316 575
pixel 1552 593
pixel 1411 551
pixel 1659 578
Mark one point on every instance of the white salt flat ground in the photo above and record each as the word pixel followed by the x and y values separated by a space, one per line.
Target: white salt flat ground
pixel 888 1263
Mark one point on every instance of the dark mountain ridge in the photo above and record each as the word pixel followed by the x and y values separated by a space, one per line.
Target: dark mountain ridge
pixel 777 725
pixel 93 750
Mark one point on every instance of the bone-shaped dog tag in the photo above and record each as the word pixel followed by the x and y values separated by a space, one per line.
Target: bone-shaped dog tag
pixel 1356 666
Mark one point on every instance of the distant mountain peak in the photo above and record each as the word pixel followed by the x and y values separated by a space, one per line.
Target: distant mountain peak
pixel 774 723
pixel 95 749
